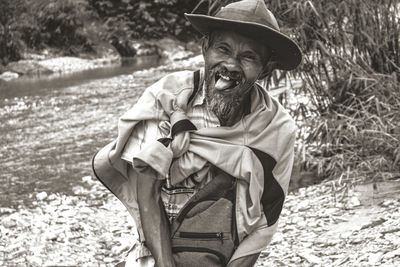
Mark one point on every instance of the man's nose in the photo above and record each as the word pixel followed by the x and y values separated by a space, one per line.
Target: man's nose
pixel 232 64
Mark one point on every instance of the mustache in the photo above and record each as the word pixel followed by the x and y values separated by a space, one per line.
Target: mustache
pixel 236 75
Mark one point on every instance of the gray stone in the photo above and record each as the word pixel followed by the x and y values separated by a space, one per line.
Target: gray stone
pixel 108 260
pixel 41 196
pixel 8 76
pixel 9 223
pixel 374 258
pixel 4 211
pixel 28 67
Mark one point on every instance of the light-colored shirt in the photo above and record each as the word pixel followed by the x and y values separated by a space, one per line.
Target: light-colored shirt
pixel 258 151
pixel 149 131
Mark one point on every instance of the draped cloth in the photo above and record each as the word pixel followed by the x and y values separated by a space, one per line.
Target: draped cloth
pixel 258 150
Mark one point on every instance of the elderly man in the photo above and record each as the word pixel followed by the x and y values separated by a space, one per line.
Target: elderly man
pixel 191 130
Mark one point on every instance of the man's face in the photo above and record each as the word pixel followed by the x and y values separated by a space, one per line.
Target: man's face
pixel 233 63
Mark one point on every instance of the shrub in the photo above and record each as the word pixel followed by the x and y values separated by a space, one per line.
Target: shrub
pixel 10 46
pixel 42 23
pixel 142 19
pixel 350 73
pixel 10 43
pixel 58 24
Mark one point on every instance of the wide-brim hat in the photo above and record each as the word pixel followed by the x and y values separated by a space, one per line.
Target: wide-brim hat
pixel 251 18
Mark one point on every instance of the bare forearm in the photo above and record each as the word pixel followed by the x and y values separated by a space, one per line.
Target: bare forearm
pixel 154 221
pixel 246 261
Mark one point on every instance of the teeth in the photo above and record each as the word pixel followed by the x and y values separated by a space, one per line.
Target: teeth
pixel 225 77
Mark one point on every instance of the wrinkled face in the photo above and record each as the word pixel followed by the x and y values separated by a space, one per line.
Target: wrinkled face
pixel 233 63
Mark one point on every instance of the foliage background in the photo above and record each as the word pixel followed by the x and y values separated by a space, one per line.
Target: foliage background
pixel 350 71
pixel 40 24
pixel 144 19
pixel 67 25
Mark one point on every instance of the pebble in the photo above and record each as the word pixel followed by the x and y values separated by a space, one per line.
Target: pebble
pixel 308 244
pixel 8 76
pixel 86 210
pixel 5 211
pixel 296 259
pixel 52 197
pixel 41 196
pixel 374 258
pixel 303 205
pixel 353 202
pixel 9 223
pixel 311 258
pixel 108 260
pixel 87 179
pixel 392 254
pixel 356 241
pixel 35 261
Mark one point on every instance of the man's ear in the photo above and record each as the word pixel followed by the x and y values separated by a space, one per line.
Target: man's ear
pixel 204 46
pixel 268 69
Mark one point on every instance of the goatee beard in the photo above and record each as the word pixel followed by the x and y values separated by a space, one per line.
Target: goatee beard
pixel 225 107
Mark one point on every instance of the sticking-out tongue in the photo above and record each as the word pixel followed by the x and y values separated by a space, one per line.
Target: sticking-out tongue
pixel 223 84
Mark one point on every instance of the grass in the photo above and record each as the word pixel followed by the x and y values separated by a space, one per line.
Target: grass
pixel 350 73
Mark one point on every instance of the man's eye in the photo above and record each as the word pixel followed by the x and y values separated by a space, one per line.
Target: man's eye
pixel 249 57
pixel 222 49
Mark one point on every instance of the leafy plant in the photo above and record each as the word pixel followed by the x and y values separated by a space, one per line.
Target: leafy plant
pixel 10 43
pixel 350 74
pixel 43 23
pixel 61 24
pixel 127 19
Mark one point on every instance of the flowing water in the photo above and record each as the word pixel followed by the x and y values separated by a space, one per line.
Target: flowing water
pixel 50 128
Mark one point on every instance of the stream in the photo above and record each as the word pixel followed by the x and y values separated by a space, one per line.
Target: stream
pixel 51 126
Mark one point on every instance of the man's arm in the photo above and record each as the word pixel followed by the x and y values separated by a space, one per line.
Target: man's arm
pixel 154 221
pixel 246 261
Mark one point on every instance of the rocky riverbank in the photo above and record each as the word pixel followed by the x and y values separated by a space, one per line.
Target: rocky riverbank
pixel 321 225
pixel 91 228
pixel 47 63
pixel 333 224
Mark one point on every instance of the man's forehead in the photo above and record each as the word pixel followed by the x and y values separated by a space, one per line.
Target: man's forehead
pixel 231 37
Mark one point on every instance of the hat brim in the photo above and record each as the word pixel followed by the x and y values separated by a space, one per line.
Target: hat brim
pixel 287 52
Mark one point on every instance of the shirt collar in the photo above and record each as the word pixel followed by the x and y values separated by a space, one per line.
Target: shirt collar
pixel 200 96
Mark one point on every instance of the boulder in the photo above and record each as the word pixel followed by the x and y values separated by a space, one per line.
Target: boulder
pixel 8 76
pixel 173 49
pixel 28 67
pixel 125 47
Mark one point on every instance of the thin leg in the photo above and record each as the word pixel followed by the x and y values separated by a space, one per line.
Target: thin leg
pixel 154 221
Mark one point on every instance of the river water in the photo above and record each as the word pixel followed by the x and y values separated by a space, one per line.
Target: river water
pixel 50 128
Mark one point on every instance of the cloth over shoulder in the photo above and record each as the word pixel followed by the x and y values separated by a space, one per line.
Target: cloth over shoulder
pixel 258 151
